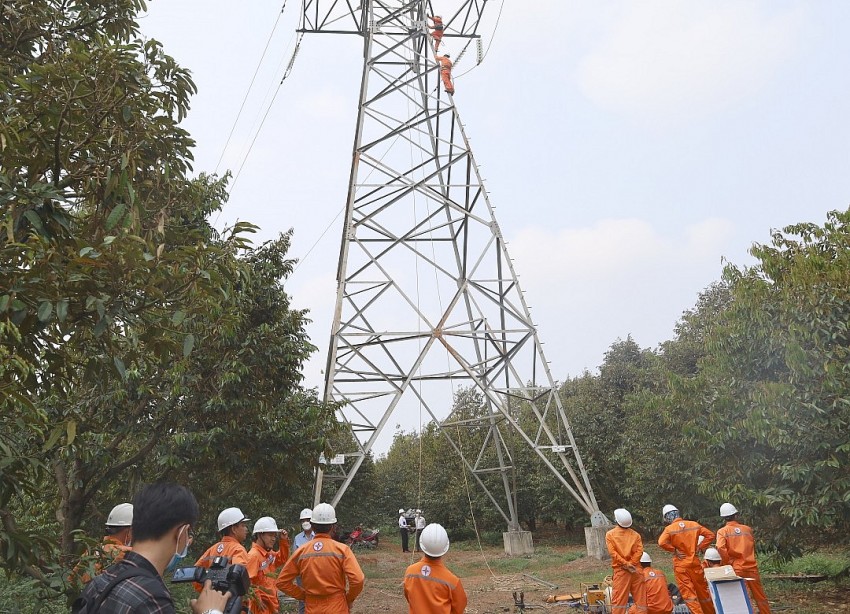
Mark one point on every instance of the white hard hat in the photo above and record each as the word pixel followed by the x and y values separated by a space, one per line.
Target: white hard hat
pixel 306 514
pixel 645 558
pixel 401 511
pixel 323 513
pixel 727 509
pixel 230 517
pixel 668 508
pixel 712 554
pixel 622 517
pixel 120 516
pixel 266 524
pixel 434 541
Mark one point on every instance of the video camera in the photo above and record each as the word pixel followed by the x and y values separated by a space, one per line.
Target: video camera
pixel 224 577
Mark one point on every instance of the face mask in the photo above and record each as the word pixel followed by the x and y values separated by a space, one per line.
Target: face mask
pixel 178 556
pixel 306 526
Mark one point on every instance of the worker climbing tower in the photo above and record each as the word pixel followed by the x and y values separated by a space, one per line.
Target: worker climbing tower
pixel 428 301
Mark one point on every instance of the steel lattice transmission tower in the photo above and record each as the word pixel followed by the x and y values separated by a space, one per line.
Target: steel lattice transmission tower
pixel 427 296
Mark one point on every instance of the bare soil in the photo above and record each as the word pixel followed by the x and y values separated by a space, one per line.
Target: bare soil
pixel 490 578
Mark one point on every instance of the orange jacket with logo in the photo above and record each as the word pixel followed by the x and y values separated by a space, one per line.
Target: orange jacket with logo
pixel 228 546
pixel 682 536
pixel 261 564
pixel 430 588
pixel 325 565
pixel 737 546
pixel 657 593
pixel 625 547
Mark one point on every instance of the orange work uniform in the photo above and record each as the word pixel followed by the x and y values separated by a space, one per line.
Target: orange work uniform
pixel 430 588
pixel 324 566
pixel 262 564
pixel 682 538
pixel 437 32
pixel 446 73
pixel 658 599
pixel 228 546
pixel 737 548
pixel 625 547
pixel 111 551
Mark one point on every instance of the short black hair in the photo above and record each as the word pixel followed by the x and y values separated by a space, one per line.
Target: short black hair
pixel 321 528
pixel 114 530
pixel 160 507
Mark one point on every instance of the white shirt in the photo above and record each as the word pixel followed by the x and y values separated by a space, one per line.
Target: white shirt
pixel 402 522
pixel 420 522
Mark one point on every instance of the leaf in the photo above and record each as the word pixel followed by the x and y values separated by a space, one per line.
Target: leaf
pixel 44 311
pixel 188 344
pixel 4 302
pixel 115 216
pixel 71 428
pixel 178 317
pixel 62 309
pixel 55 434
pixel 35 220
pixel 85 251
pixel 127 113
pixel 119 364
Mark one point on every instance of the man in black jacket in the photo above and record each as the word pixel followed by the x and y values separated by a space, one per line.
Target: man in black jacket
pixel 163 515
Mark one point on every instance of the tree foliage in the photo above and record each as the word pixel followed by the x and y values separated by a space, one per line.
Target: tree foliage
pixel 136 342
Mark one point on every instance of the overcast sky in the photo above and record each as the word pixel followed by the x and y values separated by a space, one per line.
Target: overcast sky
pixel 629 147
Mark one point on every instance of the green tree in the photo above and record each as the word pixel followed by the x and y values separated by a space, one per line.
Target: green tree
pixel 774 391
pixel 136 341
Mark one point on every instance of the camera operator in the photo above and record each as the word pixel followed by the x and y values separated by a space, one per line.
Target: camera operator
pixel 163 515
pixel 324 565
pixel 263 560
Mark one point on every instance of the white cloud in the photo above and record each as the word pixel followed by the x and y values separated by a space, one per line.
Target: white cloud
pixel 685 59
pixel 588 286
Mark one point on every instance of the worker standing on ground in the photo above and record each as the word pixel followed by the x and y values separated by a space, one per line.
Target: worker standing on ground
pixel 116 542
pixel 263 561
pixel 625 547
pixel 681 537
pixel 737 547
pixel 446 72
pixel 233 529
pixel 419 521
pixel 325 566
pixel 658 599
pixel 429 586
pixel 302 538
pixel 437 28
pixel 403 531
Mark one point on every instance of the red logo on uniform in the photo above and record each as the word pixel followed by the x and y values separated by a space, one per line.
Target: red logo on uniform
pixel 220 548
pixel 318 546
pixel 426 570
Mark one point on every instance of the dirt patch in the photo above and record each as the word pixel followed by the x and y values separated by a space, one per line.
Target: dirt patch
pixel 490 578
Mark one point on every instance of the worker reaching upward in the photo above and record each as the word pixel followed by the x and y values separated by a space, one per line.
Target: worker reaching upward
pixel 681 537
pixel 437 28
pixel 737 547
pixel 625 547
pixel 445 63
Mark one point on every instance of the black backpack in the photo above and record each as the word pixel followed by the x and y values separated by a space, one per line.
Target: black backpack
pixel 82 605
